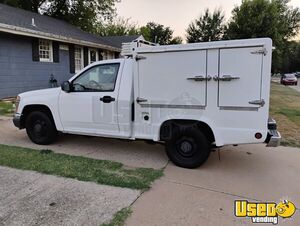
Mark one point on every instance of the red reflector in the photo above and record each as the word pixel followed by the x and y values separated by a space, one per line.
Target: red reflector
pixel 258 135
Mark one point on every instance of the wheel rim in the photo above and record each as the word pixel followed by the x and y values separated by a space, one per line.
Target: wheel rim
pixel 186 147
pixel 40 128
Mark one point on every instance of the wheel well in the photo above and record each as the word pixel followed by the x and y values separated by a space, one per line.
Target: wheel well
pixel 168 126
pixel 31 108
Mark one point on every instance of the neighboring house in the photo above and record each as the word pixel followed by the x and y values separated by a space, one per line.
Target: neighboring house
pixel 34 47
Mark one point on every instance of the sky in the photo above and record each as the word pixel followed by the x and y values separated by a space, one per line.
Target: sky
pixel 176 14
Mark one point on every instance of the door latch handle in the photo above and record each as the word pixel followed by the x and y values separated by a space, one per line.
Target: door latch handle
pixel 107 99
pixel 258 102
pixel 200 78
pixel 225 78
pixel 141 100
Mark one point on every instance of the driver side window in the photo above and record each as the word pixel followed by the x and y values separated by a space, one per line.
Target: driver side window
pixel 97 79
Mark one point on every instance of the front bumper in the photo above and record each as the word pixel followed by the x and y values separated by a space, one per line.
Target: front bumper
pixel 289 82
pixel 17 120
pixel 274 137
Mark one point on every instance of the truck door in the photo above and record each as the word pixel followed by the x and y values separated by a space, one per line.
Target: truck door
pixel 240 78
pixel 91 107
pixel 173 79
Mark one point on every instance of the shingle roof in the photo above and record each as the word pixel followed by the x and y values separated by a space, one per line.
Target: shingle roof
pixel 47 25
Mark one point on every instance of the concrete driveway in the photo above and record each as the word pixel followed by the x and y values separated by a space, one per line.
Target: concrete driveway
pixel 204 196
pixel 130 153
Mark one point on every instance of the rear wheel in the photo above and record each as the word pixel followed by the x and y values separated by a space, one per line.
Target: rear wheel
pixel 188 148
pixel 40 128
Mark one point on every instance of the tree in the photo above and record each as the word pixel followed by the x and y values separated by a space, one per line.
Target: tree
pixel 208 27
pixel 81 13
pixel 176 40
pixel 158 33
pixel 291 57
pixel 13 3
pixel 118 27
pixel 31 5
pixel 265 18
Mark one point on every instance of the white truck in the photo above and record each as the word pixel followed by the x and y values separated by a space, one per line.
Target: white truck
pixel 191 97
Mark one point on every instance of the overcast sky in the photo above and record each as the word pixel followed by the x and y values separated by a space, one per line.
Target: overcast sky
pixel 176 14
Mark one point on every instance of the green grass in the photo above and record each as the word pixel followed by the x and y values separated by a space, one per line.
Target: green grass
pixel 119 218
pixel 6 108
pixel 292 114
pixel 81 168
pixel 285 109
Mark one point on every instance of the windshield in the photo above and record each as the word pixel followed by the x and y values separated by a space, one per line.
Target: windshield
pixel 290 76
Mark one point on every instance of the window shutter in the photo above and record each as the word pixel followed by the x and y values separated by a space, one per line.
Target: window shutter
pixel 72 58
pixel 35 49
pixel 100 54
pixel 85 56
pixel 55 52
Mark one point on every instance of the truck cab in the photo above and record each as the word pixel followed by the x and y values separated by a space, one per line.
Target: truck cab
pixel 190 97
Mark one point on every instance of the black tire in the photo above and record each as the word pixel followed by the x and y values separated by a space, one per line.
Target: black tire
pixel 188 148
pixel 40 128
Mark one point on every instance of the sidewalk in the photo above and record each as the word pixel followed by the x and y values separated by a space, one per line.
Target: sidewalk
pixel 29 198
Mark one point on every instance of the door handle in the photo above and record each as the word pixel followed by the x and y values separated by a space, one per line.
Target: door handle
pixel 226 78
pixel 258 102
pixel 107 99
pixel 200 78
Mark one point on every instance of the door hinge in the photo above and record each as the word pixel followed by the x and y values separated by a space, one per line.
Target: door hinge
pixel 137 58
pixel 260 51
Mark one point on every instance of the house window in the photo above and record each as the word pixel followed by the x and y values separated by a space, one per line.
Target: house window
pixel 45 50
pixel 93 56
pixel 108 55
pixel 78 58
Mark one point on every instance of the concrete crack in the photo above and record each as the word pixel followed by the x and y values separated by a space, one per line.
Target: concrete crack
pixel 216 191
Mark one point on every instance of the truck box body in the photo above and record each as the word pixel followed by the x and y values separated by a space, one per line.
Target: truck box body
pixel 193 82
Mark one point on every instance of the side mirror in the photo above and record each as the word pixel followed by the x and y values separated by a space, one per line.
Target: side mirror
pixel 66 86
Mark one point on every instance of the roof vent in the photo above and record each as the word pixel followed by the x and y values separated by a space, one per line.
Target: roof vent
pixel 33 22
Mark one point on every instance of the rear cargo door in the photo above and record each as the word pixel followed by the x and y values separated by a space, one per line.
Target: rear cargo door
pixel 172 79
pixel 240 78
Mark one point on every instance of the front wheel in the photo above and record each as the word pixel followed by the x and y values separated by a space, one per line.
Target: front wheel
pixel 188 148
pixel 40 128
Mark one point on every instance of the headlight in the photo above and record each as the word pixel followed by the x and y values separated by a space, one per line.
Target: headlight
pixel 17 103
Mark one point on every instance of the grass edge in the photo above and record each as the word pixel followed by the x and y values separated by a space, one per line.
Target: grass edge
pixel 119 218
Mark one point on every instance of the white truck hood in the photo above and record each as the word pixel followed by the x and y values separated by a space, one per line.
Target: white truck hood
pixel 39 93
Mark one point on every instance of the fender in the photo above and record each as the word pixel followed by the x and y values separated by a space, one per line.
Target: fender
pixel 47 98
pixel 208 122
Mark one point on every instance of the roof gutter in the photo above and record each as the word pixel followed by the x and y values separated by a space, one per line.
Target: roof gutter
pixel 38 34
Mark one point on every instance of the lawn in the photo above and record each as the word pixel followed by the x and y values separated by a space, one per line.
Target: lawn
pixel 81 168
pixel 6 108
pixel 285 109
